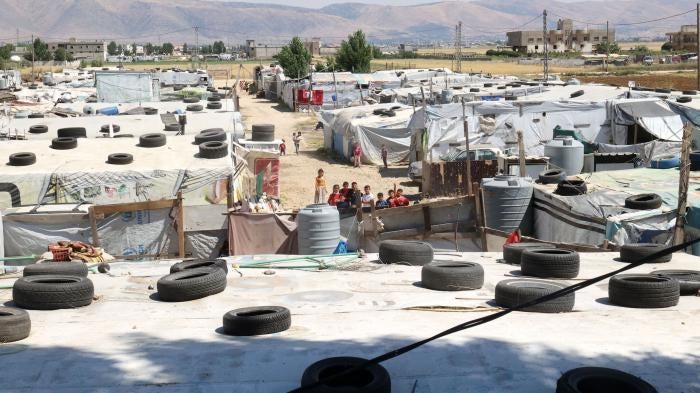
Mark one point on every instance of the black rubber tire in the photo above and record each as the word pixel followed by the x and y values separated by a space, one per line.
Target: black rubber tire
pixel 688 280
pixel 214 105
pixel 123 136
pixel 74 132
pixel 643 202
pixel 664 91
pixel 577 93
pixel 195 108
pixel 263 132
pixel 190 100
pixel 172 127
pixel 22 159
pixel 511 293
pixel 474 90
pixel 572 187
pixel 408 252
pixel 213 150
pixel 197 263
pixel 209 135
pixel 633 252
pixel 256 321
pixel 501 87
pixel 512 253
pixel 488 84
pixel 147 110
pixel 550 263
pixel 155 139
pixel 52 292
pixel 15 324
pixel 120 159
pixel 552 176
pixel 191 284
pixel 213 98
pixel 178 87
pixel 452 276
pixel 35 116
pixel 601 380
pixel 643 291
pixel 684 99
pixel 38 129
pixel 689 92
pixel 32 86
pixel 105 128
pixel 76 269
pixel 103 267
pixel 65 143
pixel 371 379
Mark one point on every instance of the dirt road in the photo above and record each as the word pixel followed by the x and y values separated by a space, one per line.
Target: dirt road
pixel 297 172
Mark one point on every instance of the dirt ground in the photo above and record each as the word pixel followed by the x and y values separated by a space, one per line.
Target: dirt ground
pixel 297 172
pixel 676 80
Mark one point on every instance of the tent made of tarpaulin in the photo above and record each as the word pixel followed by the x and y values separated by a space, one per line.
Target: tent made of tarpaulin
pixel 496 123
pixel 652 115
pixel 344 127
pixel 126 87
pixel 601 214
pixel 83 173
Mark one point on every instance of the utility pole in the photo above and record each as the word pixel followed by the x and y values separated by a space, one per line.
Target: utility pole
pixel 607 44
pixel 458 48
pixel 32 58
pixel 697 41
pixel 546 46
pixel 196 45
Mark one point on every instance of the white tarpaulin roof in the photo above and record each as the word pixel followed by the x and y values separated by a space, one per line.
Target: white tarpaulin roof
pixel 126 87
pixel 653 115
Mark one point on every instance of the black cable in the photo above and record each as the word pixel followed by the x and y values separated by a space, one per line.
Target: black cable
pixel 489 318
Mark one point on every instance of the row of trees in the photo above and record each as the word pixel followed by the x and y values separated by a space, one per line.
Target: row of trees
pixel 354 54
pixel 114 49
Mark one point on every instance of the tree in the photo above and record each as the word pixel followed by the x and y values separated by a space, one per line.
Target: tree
pixel 376 52
pixel 184 48
pixel 112 48
pixel 133 49
pixel 640 50
pixel 41 51
pixel 60 54
pixel 148 49
pixel 355 54
pixel 605 45
pixel 6 51
pixel 218 47
pixel 667 46
pixel 295 59
pixel 120 49
pixel 168 48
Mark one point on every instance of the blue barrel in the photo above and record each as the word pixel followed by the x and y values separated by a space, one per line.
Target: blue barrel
pixel 665 162
pixel 109 111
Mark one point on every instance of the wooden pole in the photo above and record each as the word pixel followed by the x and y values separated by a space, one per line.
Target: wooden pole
pixel 180 226
pixel 697 28
pixel 521 153
pixel 679 231
pixel 466 142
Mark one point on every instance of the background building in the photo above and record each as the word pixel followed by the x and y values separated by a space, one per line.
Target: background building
pixel 254 50
pixel 563 39
pixel 686 39
pixel 82 50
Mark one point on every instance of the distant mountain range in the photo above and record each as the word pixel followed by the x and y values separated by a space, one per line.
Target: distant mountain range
pixel 173 20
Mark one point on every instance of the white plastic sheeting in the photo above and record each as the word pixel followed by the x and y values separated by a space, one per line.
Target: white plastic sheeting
pixel 653 115
pixel 126 87
pixel 537 120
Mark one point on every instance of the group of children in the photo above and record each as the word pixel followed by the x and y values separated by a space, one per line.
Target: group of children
pixel 296 138
pixel 350 195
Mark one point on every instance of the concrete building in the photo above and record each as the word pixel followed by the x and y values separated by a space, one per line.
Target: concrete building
pixel 82 50
pixel 686 39
pixel 255 50
pixel 563 39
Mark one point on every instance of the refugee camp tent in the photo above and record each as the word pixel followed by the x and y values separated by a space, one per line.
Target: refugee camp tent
pixel 366 125
pixel 651 115
pixel 126 87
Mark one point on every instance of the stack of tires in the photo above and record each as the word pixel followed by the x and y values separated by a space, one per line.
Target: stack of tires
pixel 53 286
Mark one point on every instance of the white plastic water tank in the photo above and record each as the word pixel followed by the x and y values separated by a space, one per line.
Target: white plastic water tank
pixel 566 153
pixel 507 203
pixel 318 229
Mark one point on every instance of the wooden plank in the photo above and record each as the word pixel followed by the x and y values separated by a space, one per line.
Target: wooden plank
pixel 679 233
pixel 180 226
pixel 426 219
pixel 105 210
pixel 93 227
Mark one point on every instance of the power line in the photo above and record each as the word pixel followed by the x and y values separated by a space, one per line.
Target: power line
pixel 654 20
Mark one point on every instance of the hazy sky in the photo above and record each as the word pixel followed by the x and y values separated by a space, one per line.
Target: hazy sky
pixel 322 3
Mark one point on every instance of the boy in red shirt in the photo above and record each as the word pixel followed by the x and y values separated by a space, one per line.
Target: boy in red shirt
pixel 335 197
pixel 283 148
pixel 401 200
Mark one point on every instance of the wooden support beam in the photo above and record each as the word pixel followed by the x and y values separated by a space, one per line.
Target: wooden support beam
pixel 679 231
pixel 521 154
pixel 427 224
pixel 180 226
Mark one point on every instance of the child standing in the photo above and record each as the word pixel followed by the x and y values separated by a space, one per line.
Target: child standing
pixel 357 155
pixel 320 187
pixel 385 155
pixel 283 148
pixel 297 140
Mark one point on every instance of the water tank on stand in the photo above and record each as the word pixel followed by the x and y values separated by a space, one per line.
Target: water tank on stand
pixel 565 153
pixel 318 229
pixel 507 203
